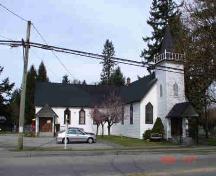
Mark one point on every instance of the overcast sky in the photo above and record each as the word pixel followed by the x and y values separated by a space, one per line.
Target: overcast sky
pixel 76 24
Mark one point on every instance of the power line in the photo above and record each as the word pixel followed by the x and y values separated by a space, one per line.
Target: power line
pixel 37 56
pixel 85 54
pixel 101 57
pixel 15 14
pixel 59 60
pixel 88 54
pixel 80 52
pixel 91 55
pixel 41 36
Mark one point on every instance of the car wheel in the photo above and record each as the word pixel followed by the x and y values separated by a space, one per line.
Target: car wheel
pixel 90 140
pixel 63 141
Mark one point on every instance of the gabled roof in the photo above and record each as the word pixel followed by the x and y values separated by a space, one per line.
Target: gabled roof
pixel 46 111
pixel 73 95
pixel 137 90
pixel 180 110
pixel 168 41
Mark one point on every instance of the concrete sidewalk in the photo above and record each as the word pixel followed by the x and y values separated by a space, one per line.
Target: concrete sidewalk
pixel 9 142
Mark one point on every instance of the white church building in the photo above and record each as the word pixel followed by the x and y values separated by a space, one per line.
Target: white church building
pixel 160 94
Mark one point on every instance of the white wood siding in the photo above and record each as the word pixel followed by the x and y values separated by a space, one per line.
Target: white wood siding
pixel 127 129
pixel 88 126
pixel 152 98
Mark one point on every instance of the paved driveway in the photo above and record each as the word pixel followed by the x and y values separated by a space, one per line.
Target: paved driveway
pixel 9 141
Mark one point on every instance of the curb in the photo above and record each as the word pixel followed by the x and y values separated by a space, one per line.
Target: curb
pixel 74 153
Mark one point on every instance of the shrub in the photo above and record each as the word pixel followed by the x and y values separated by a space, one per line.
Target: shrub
pixel 147 134
pixel 158 127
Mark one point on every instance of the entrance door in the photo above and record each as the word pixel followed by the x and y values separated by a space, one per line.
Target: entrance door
pixel 176 127
pixel 45 124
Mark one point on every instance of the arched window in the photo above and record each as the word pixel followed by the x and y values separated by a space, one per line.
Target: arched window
pixel 67 116
pixel 149 113
pixel 175 89
pixel 161 90
pixel 131 114
pixel 82 117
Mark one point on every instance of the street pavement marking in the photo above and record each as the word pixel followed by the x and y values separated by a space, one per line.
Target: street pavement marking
pixel 172 159
pixel 177 172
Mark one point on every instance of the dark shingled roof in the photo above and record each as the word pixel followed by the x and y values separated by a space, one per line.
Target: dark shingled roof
pixel 168 41
pixel 180 110
pixel 71 95
pixel 46 111
pixel 138 89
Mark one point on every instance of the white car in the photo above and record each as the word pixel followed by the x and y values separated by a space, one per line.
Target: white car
pixel 75 135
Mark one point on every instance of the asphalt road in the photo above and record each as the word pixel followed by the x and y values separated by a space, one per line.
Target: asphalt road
pixel 101 165
pixel 166 162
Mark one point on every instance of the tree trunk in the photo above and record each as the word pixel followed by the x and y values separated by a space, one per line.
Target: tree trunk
pixel 108 129
pixel 102 129
pixel 206 121
pixel 97 129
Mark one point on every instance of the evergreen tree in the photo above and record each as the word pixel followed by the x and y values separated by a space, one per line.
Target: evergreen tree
pixel 65 79
pixel 117 77
pixel 5 95
pixel 42 73
pixel 76 81
pixel 108 64
pixel 30 90
pixel 15 107
pixel 158 127
pixel 84 83
pixel 162 13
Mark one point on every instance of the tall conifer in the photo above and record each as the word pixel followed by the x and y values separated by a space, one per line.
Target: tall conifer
pixel 117 77
pixel 162 12
pixel 42 73
pixel 108 64
pixel 30 90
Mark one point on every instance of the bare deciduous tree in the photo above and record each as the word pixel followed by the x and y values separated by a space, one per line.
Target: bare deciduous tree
pixel 112 110
pixel 211 116
pixel 98 118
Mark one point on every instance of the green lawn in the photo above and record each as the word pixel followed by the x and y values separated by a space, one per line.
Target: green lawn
pixel 212 141
pixel 131 142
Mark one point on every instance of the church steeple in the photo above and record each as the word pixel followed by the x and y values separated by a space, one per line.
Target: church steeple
pixel 169 71
pixel 167 51
pixel 168 42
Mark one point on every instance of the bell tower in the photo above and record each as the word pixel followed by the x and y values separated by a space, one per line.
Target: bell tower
pixel 169 71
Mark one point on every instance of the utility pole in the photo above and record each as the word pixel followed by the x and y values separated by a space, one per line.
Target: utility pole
pixel 23 86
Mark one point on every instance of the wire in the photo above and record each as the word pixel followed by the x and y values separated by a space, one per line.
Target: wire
pixel 59 60
pixel 100 57
pixel 39 34
pixel 116 59
pixel 20 17
pixel 90 55
pixel 37 56
pixel 4 7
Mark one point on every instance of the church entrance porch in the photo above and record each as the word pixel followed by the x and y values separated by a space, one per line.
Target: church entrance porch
pixel 45 122
pixel 180 116
pixel 176 127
